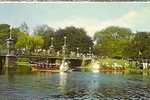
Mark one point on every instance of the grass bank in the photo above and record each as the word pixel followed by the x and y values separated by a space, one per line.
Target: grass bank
pixel 23 65
pixel 115 63
pixel 22 62
pixel 110 64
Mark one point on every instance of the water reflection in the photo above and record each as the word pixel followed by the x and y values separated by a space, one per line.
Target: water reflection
pixel 75 85
pixel 62 81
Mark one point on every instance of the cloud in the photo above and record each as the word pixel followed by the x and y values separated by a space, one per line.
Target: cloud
pixel 132 19
pixel 126 20
pixel 89 24
pixel 136 20
pixel 130 16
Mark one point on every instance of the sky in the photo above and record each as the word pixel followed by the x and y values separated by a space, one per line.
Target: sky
pixel 91 16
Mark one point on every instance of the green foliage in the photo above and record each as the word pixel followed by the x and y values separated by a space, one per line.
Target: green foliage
pixel 22 59
pixel 107 62
pixel 36 42
pixel 76 37
pixel 23 64
pixel 4 33
pixel 112 41
pixel 111 33
pixel 121 42
pixel 139 46
pixel 23 41
pixel 29 42
pixel 46 33
pixel 24 27
pixel 41 38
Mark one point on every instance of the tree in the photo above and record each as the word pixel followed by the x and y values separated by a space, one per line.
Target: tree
pixel 76 38
pixel 23 41
pixel 24 27
pixel 4 34
pixel 46 33
pixel 16 33
pixel 112 32
pixel 28 42
pixel 112 41
pixel 139 46
pixel 37 42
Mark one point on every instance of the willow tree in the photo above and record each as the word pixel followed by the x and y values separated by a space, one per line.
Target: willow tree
pixel 36 42
pixel 23 41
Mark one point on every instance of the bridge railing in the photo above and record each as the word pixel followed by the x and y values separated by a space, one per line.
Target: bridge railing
pixel 55 55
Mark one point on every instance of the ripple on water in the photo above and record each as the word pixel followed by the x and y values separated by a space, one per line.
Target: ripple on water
pixel 75 85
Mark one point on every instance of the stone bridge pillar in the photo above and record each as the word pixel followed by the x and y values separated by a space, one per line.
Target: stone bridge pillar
pixel 10 61
pixel 2 62
pixel 10 58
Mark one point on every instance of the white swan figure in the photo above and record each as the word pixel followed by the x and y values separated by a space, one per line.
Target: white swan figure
pixel 64 67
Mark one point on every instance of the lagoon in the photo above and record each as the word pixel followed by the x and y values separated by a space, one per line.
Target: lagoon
pixel 76 85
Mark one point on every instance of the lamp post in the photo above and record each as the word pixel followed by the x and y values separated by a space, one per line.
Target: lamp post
pixel 52 42
pixel 9 42
pixel 77 52
pixel 64 46
pixel 10 59
pixel 51 46
pixel 65 42
pixel 140 56
pixel 90 52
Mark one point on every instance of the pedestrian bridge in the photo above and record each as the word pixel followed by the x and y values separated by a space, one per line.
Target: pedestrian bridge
pixel 75 61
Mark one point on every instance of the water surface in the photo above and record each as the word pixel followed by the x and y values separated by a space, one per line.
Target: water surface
pixel 74 85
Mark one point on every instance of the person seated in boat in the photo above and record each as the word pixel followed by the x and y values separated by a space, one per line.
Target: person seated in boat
pixel 44 64
pixel 41 65
pixel 38 65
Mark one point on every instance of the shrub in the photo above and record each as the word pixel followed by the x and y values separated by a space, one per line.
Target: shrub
pixel 108 62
